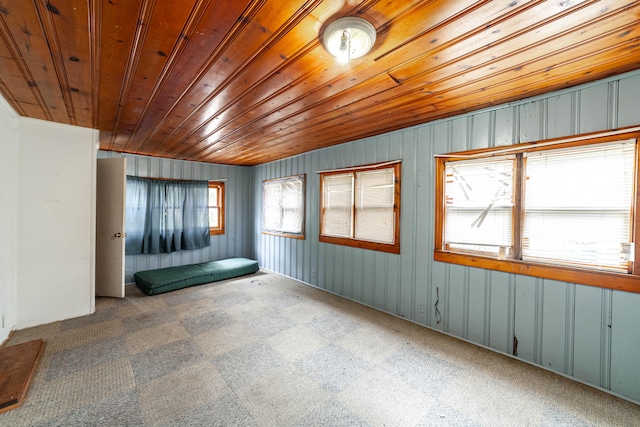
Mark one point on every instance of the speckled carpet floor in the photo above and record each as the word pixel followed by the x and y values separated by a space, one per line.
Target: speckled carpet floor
pixel 265 350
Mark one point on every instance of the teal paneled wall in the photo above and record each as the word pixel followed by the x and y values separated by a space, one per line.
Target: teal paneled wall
pixel 583 332
pixel 237 238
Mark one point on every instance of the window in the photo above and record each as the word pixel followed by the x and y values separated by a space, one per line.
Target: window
pixel 361 207
pixel 283 206
pixel 164 216
pixel 559 209
pixel 216 207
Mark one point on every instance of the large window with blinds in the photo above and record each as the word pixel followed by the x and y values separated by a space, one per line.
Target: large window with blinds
pixel 558 209
pixel 360 207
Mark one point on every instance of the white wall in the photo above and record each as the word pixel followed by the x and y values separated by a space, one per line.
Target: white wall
pixel 8 217
pixel 55 222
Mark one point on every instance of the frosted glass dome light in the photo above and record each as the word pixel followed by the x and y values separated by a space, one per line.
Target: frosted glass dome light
pixel 349 38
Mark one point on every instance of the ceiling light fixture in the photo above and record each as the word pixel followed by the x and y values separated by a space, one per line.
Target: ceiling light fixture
pixel 349 38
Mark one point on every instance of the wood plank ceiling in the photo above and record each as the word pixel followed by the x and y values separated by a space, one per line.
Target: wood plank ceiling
pixel 245 82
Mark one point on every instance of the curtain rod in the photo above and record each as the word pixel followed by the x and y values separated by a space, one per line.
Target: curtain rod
pixel 176 179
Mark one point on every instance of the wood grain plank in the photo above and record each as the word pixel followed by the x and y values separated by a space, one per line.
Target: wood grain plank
pixel 23 32
pixel 158 53
pixel 274 21
pixel 328 81
pixel 119 25
pixel 338 95
pixel 480 94
pixel 67 32
pixel 18 363
pixel 446 75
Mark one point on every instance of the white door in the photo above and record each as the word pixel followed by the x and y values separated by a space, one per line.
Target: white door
pixel 110 222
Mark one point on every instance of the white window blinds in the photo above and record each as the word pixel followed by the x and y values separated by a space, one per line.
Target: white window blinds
pixel 374 205
pixel 479 205
pixel 337 196
pixel 360 205
pixel 578 204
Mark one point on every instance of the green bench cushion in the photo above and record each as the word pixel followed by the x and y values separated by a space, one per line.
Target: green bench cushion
pixel 153 282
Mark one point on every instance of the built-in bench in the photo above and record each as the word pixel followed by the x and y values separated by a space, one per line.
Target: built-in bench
pixel 153 282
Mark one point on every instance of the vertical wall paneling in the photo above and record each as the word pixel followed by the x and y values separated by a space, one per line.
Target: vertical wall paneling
pixel 476 307
pixel 380 280
pixel 395 262
pixel 505 127
pixel 314 218
pixel 570 318
pixel 500 329
pixel 628 95
pixel 368 273
pixel 625 344
pixel 529 120
pixel 587 334
pixel 559 117
pixel 456 298
pixel 408 215
pixel 612 104
pixel 593 108
pixel 480 130
pixel 238 217
pixel 564 327
pixel 554 322
pixel 605 339
pixel 423 248
pixel 439 276
pixel 525 317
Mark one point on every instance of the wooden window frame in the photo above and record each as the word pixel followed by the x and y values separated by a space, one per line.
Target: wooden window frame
pixel 266 182
pixel 213 231
pixel 394 247
pixel 601 278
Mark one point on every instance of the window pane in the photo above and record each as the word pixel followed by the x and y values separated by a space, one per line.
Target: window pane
pixel 478 208
pixel 283 205
pixel 213 196
pixel 214 217
pixel 337 203
pixel 272 194
pixel 292 205
pixel 578 204
pixel 374 205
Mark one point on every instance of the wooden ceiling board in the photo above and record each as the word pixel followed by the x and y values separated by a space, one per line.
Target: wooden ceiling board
pixel 338 81
pixel 21 96
pixel 465 87
pixel 214 28
pixel 247 82
pixel 67 29
pixel 202 125
pixel 325 93
pixel 251 61
pixel 24 36
pixel 118 51
pixel 549 78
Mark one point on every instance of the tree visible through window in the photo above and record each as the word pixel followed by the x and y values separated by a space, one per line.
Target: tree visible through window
pixel 559 210
pixel 361 207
